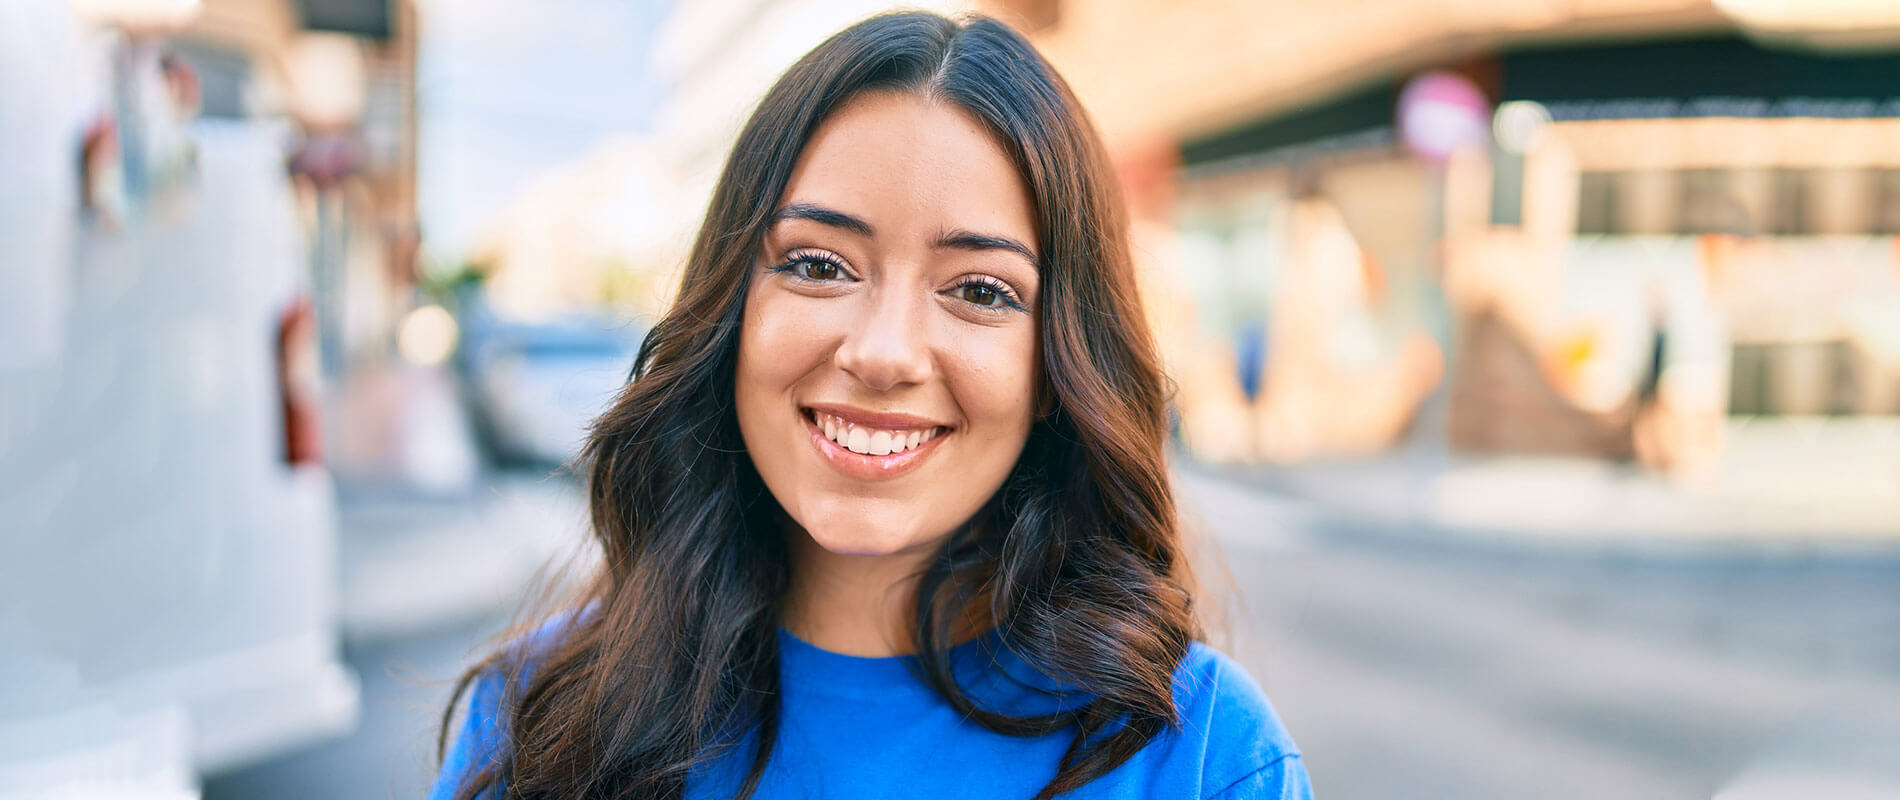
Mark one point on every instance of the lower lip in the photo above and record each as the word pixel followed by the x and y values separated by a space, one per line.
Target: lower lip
pixel 870 468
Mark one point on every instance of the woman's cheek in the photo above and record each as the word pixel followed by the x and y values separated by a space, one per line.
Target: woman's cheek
pixel 784 333
pixel 997 385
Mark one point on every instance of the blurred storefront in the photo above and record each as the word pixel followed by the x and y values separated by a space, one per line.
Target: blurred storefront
pixel 1680 213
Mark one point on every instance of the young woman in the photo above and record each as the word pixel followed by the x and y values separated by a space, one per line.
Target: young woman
pixel 885 511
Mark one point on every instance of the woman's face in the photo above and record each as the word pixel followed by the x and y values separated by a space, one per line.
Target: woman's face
pixel 887 361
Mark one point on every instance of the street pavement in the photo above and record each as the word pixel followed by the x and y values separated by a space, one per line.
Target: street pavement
pixel 405 687
pixel 1408 668
pixel 1404 666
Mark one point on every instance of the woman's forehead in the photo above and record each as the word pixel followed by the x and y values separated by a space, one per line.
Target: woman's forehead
pixel 913 167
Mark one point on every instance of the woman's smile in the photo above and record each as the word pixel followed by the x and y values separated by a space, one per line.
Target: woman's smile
pixel 872 446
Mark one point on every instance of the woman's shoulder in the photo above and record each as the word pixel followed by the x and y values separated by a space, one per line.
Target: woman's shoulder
pixel 481 735
pixel 1212 686
pixel 1243 747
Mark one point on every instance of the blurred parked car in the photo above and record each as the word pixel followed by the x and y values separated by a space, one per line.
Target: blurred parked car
pixel 537 386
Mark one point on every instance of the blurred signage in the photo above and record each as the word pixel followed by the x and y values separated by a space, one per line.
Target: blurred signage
pixel 1441 112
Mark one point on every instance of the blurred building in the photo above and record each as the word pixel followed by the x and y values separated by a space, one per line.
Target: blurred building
pixel 1683 211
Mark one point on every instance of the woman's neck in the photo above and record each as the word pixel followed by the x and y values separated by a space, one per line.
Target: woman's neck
pixel 852 604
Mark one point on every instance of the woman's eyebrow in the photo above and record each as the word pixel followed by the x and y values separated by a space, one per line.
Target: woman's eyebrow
pixel 965 240
pixel 824 216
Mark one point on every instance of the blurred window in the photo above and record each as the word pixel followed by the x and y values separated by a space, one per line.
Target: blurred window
pixel 1787 212
pixel 1709 204
pixel 1797 201
pixel 1795 378
pixel 1596 204
pixel 1507 187
pixel 1886 201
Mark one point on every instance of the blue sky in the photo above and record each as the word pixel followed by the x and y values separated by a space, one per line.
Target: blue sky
pixel 508 89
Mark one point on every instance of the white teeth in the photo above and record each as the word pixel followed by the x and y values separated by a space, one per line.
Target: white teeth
pixel 871 441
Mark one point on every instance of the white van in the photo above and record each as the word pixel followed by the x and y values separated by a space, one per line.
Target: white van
pixel 167 577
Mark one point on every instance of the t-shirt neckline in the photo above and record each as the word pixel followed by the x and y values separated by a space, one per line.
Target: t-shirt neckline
pixel 806 665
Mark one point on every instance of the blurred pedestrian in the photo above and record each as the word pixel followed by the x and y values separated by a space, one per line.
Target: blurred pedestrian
pixel 886 510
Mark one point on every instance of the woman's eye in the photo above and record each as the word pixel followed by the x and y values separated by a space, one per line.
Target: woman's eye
pixel 987 294
pixel 982 295
pixel 813 269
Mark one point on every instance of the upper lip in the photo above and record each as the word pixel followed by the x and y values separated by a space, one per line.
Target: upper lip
pixel 886 420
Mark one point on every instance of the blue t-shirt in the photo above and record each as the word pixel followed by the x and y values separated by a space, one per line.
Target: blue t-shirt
pixel 854 727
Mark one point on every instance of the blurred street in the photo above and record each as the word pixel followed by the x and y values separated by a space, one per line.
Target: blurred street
pixel 1410 668
pixel 1405 667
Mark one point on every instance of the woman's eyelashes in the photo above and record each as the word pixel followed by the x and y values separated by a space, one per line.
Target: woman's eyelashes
pixel 988 294
pixel 813 267
pixel 985 293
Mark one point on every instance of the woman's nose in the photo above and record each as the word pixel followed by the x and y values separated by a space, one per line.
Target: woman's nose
pixel 886 349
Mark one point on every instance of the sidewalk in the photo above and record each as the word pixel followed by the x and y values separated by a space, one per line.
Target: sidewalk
pixel 428 535
pixel 1785 488
pixel 1841 748
pixel 413 563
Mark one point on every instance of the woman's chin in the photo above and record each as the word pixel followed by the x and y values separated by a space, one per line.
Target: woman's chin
pixel 868 538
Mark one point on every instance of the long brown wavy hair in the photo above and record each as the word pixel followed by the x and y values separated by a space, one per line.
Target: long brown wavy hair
pixel 669 656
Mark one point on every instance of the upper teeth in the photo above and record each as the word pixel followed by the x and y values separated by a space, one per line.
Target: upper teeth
pixel 872 441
